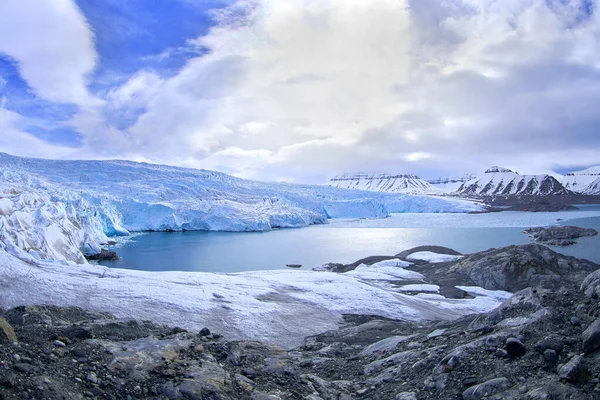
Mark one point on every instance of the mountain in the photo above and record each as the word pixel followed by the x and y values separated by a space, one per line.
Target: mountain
pixel 503 181
pixel 391 183
pixel 586 181
pixel 450 184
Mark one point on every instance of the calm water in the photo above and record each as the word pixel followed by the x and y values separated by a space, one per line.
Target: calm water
pixel 343 241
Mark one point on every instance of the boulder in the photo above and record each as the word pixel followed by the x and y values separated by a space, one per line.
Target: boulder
pixel 486 389
pixel 514 268
pixel 104 255
pixel 591 337
pixel 514 347
pixel 591 285
pixel 575 370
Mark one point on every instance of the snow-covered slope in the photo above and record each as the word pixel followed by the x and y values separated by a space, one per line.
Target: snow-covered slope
pixel 60 209
pixel 391 183
pixel 502 181
pixel 450 184
pixel 583 181
pixel 592 188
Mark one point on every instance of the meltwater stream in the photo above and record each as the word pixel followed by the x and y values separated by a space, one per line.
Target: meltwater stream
pixel 344 241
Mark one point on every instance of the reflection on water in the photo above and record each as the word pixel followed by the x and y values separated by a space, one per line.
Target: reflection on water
pixel 312 246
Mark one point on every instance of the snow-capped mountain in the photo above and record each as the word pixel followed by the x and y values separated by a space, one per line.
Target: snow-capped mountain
pixel 450 184
pixel 391 183
pixel 503 181
pixel 586 181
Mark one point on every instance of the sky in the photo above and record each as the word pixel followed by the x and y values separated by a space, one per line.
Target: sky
pixel 302 90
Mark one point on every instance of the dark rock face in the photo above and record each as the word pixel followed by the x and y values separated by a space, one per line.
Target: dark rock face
pixel 104 255
pixel 516 267
pixel 559 235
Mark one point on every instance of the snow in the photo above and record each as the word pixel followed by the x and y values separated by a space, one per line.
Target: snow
pixel 432 257
pixel 392 183
pixel 586 181
pixel 385 270
pixel 593 187
pixel 281 306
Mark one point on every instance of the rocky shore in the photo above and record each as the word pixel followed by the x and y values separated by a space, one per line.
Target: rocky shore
pixel 559 235
pixel 542 343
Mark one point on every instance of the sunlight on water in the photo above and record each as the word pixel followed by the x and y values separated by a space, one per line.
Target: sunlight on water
pixel 342 241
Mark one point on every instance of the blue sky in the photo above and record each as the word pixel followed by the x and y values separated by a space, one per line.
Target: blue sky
pixel 302 90
pixel 129 36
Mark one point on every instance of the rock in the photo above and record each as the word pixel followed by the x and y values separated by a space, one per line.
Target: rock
pixel 7 334
pixel 58 343
pixel 514 268
pixel 91 377
pixel 486 389
pixel 384 345
pixel 8 380
pixel 23 367
pixel 501 353
pixel 559 235
pixel 204 332
pixel 104 255
pixel 514 347
pixel 257 395
pixel 552 342
pixel 550 355
pixel 58 351
pixel 406 396
pixel 538 394
pixel 79 353
pixel 591 285
pixel 575 370
pixel 591 337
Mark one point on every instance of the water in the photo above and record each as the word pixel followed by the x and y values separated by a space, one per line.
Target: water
pixel 344 241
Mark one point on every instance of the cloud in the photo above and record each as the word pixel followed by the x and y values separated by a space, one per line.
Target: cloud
pixel 14 140
pixel 53 46
pixel 307 89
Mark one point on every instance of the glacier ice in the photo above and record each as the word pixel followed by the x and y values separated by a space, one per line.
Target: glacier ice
pixel 63 210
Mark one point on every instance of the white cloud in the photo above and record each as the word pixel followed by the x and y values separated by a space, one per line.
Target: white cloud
pixel 53 46
pixel 305 89
pixel 14 140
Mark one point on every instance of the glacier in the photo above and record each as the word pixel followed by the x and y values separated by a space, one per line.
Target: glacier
pixel 64 210
pixel 53 213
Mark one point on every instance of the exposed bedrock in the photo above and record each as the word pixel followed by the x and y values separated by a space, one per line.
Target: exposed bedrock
pixel 559 235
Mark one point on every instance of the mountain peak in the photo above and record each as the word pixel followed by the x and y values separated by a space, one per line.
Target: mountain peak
pixel 495 169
